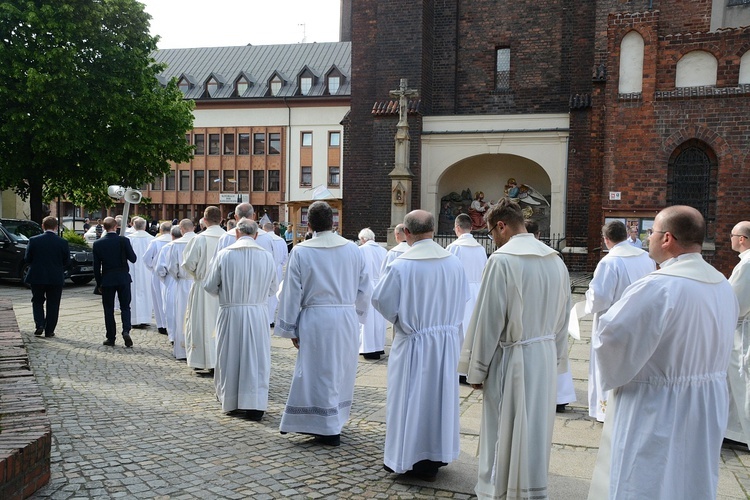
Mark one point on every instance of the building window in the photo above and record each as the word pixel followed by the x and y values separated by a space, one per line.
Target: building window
pixel 276 84
pixel 212 86
pixel 274 180
pixel 242 86
pixel 305 176
pixel 696 69
pixel 187 138
pixel 184 180
pixel 259 144
pixel 334 179
pixel 631 63
pixel 199 180
pixel 229 181
pixel 228 144
pixel 213 144
pixel 692 181
pixel 183 85
pixel 243 181
pixel 170 181
pixel 502 69
pixel 334 82
pixel 156 185
pixel 305 85
pixel 200 146
pixel 214 181
pixel 258 178
pixel 334 139
pixel 306 140
pixel 244 140
pixel 274 143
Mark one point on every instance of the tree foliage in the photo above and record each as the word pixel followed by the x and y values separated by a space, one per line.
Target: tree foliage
pixel 80 103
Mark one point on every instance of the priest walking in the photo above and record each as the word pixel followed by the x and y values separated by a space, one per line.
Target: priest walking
pixel 183 283
pixel 372 332
pixel 663 350
pixel 141 302
pixel 326 288
pixel 623 265
pixel 423 293
pixel 393 253
pixel 243 276
pixel 516 344
pixel 151 258
pixel 203 308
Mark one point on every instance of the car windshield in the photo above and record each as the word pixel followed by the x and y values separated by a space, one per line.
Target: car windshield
pixel 21 231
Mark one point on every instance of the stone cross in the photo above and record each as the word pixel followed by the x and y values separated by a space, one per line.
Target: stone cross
pixel 403 93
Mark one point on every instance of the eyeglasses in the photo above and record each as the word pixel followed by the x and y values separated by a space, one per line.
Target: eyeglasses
pixel 663 232
pixel 494 227
pixel 737 235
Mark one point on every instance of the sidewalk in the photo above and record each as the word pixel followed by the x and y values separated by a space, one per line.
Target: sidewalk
pixel 135 423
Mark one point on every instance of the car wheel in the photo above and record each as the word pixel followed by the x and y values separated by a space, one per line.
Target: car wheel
pixel 81 280
pixel 24 272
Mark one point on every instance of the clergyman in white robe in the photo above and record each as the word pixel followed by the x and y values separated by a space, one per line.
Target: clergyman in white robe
pixel 151 259
pixel 738 373
pixel 183 283
pixel 203 308
pixel 401 247
pixel 372 331
pixel 516 345
pixel 141 304
pixel 423 293
pixel 280 256
pixel 663 350
pixel 326 290
pixel 243 275
pixel 168 284
pixel 623 265
pixel 473 257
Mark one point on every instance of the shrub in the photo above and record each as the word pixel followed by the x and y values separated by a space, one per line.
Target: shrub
pixel 72 237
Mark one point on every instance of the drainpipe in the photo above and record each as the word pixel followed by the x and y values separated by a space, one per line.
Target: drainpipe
pixel 288 155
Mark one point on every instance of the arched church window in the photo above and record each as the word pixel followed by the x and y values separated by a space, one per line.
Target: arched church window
pixel 631 63
pixel 691 180
pixel 696 69
pixel 745 68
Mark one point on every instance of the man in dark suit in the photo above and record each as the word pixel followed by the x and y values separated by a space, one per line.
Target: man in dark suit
pixel 111 255
pixel 47 255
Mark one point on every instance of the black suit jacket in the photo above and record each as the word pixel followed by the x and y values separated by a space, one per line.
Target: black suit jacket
pixel 47 254
pixel 111 255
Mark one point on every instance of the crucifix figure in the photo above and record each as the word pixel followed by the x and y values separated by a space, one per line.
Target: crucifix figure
pixel 401 175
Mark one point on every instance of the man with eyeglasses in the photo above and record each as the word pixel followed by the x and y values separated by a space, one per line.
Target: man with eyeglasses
pixel 663 350
pixel 516 345
pixel 738 373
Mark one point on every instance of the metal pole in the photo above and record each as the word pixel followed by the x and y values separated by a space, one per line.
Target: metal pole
pixel 125 210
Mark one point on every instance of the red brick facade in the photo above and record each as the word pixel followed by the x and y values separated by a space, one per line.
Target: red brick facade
pixel 565 59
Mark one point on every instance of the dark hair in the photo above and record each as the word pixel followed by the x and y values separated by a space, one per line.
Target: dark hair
pixel 686 224
pixel 463 221
pixel 49 222
pixel 615 231
pixel 212 214
pixel 419 223
pixel 320 216
pixel 531 227
pixel 505 210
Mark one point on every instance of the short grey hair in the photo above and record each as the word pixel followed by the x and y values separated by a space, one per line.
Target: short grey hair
pixel 245 210
pixel 165 226
pixel 366 234
pixel 139 223
pixel 175 231
pixel 247 227
pixel 231 224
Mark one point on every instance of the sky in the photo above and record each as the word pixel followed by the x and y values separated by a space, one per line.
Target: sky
pixel 217 23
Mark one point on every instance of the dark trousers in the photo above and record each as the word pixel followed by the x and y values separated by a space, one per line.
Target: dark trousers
pixel 108 302
pixel 52 294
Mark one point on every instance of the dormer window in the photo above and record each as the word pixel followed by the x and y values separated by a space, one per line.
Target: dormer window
pixel 212 86
pixel 305 84
pixel 334 82
pixel 242 86
pixel 183 85
pixel 276 84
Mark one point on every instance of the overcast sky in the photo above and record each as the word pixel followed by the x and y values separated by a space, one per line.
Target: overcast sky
pixel 216 23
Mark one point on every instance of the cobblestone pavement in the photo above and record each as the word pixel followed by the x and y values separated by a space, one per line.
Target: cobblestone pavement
pixel 135 423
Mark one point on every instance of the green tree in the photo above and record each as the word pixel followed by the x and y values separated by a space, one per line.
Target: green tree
pixel 81 106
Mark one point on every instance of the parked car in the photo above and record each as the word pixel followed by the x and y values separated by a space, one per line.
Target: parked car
pixel 14 236
pixel 75 224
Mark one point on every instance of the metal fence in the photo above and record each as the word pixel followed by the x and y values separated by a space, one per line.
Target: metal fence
pixel 554 240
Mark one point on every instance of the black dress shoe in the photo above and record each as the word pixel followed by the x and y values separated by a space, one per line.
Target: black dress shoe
pixel 734 445
pixel 371 355
pixel 48 335
pixel 39 331
pixel 128 340
pixel 110 343
pixel 561 408
pixel 254 415
pixel 163 330
pixel 334 440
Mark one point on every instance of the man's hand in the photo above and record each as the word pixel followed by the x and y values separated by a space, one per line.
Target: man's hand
pixel 295 343
pixel 477 386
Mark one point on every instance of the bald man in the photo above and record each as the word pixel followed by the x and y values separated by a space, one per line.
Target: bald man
pixel 738 427
pixel 403 246
pixel 423 293
pixel 663 351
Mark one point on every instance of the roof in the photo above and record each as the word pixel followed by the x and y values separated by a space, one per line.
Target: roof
pixel 258 63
